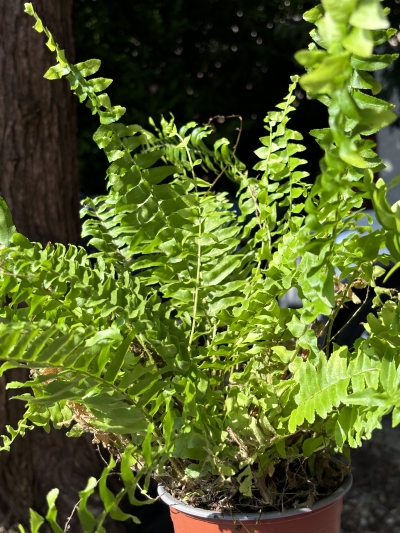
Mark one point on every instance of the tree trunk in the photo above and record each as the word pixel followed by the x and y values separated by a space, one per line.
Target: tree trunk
pixel 39 181
pixel 38 152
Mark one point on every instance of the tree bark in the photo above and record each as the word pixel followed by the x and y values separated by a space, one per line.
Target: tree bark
pixel 38 145
pixel 39 181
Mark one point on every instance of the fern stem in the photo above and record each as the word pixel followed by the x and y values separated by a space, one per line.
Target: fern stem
pixel 329 337
pixel 234 148
pixel 198 268
pixel 196 292
pixel 147 352
pixel 352 316
pixel 259 482
pixel 290 172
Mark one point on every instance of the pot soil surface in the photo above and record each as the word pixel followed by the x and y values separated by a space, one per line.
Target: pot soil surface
pixel 293 484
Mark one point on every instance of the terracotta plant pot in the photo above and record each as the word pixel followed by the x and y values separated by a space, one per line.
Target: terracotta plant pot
pixel 323 517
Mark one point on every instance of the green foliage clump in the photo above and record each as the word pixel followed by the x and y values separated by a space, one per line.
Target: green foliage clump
pixel 166 340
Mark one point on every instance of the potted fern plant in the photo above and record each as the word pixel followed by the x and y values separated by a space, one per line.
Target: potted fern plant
pixel 167 341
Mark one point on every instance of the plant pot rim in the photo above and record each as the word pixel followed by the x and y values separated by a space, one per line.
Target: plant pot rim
pixel 213 515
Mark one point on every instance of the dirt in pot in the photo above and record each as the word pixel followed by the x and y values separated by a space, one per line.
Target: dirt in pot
pixel 294 483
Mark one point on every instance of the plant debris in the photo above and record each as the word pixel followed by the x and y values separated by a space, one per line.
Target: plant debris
pixel 295 483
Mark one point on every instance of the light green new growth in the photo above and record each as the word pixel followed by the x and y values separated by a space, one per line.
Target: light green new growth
pixel 167 341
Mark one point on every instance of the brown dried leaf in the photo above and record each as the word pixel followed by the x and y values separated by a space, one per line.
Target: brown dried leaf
pixel 359 283
pixel 350 294
pixel 339 286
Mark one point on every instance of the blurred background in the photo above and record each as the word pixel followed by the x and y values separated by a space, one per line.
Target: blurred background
pixel 195 60
pixel 199 59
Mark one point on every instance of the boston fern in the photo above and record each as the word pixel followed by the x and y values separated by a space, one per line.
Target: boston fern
pixel 165 338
